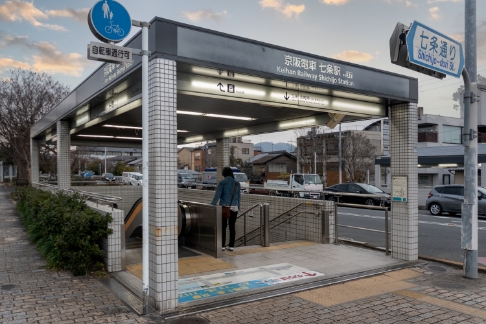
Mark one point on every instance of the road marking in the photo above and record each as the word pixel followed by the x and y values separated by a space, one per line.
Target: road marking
pixel 452 224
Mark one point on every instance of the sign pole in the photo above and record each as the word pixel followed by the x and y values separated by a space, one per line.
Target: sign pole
pixel 145 159
pixel 469 212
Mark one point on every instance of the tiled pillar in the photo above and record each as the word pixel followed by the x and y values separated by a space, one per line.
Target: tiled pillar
pixel 162 182
pixel 403 153
pixel 483 175
pixel 63 155
pixel 1 171
pixel 222 156
pixel 34 160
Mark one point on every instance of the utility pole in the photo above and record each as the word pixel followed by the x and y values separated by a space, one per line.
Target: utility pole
pixel 105 159
pixel 469 211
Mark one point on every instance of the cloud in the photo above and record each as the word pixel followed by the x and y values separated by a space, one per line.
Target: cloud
pixel 54 61
pixel 335 2
pixel 80 15
pixel 286 9
pixel 205 14
pixel 7 63
pixel 434 13
pixel 16 10
pixel 434 1
pixel 410 4
pixel 46 58
pixel 354 56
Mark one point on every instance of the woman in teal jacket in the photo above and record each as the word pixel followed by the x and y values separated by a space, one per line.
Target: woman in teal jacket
pixel 223 193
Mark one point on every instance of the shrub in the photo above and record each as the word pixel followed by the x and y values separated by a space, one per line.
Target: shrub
pixel 65 230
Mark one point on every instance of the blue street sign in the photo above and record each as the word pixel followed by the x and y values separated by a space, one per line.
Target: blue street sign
pixel 433 50
pixel 109 21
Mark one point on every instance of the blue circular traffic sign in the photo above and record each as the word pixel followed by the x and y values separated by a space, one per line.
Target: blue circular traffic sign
pixel 109 21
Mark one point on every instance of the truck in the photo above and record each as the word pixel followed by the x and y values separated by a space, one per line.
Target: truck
pixel 209 179
pixel 309 186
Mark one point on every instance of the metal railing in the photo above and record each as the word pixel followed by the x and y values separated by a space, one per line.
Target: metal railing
pixel 382 208
pixel 110 200
pixel 244 219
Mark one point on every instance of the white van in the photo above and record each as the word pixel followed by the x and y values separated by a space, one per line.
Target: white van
pixel 136 179
pixel 126 176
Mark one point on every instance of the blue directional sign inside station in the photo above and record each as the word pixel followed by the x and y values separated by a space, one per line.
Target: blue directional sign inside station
pixel 109 21
pixel 433 50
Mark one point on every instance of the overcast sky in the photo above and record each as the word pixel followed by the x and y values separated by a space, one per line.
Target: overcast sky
pixel 51 35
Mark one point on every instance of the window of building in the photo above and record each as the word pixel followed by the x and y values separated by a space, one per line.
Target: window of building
pixel 245 150
pixel 197 156
pixel 451 134
pixel 198 168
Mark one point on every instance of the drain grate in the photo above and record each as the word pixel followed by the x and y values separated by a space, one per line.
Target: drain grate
pixel 7 287
pixel 436 268
pixel 448 285
pixel 190 320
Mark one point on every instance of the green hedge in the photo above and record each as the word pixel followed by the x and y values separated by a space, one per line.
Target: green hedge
pixel 65 230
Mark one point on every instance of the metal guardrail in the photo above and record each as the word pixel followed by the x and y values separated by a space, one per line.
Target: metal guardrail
pixel 90 195
pixel 244 219
pixel 386 231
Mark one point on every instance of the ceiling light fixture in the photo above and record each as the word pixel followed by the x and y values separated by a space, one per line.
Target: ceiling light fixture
pixel 183 112
pixel 124 127
pixel 117 137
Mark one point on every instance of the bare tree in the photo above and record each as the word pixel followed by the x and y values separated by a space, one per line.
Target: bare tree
pixel 25 96
pixel 358 155
pixel 310 140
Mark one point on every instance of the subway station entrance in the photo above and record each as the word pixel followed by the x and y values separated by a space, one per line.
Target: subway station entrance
pixel 206 85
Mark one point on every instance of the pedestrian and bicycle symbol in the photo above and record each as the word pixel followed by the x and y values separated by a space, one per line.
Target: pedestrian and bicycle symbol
pixel 109 21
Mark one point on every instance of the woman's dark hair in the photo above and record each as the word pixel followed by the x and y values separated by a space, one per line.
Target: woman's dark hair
pixel 228 172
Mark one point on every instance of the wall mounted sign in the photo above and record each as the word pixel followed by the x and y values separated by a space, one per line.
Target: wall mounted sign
pixel 399 188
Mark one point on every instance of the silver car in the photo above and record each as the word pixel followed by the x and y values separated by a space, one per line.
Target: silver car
pixel 450 198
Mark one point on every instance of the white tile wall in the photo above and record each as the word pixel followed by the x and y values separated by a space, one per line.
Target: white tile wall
pixel 63 155
pixel 163 222
pixel 403 152
pixel 222 156
pixel 34 160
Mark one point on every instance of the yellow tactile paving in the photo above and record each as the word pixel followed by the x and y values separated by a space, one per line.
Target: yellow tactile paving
pixel 200 264
pixel 359 289
pixel 270 248
pixel 189 266
pixel 444 303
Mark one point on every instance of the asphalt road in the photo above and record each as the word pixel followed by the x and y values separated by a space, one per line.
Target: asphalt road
pixel 439 236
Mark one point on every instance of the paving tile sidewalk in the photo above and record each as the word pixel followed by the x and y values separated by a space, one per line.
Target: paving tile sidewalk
pixel 425 293
pixel 31 294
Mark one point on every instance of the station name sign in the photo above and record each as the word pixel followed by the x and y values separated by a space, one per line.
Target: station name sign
pixel 314 70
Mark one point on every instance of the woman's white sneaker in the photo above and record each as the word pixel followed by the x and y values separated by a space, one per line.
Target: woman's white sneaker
pixel 223 249
pixel 230 248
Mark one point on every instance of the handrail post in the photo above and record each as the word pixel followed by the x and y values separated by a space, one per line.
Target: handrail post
pixel 261 224
pixel 244 229
pixel 336 241
pixel 387 244
pixel 266 216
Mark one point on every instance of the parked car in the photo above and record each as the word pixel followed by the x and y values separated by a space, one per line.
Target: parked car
pixel 108 177
pixel 370 195
pixel 186 180
pixel 136 179
pixel 87 174
pixel 449 198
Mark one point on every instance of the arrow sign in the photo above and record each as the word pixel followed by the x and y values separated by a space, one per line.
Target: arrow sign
pixel 433 50
pixel 310 274
pixel 221 86
pixel 286 96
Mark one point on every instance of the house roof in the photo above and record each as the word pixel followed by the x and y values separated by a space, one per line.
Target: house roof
pixel 266 157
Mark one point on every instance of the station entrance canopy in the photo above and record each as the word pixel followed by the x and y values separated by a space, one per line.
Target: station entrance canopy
pixel 227 86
